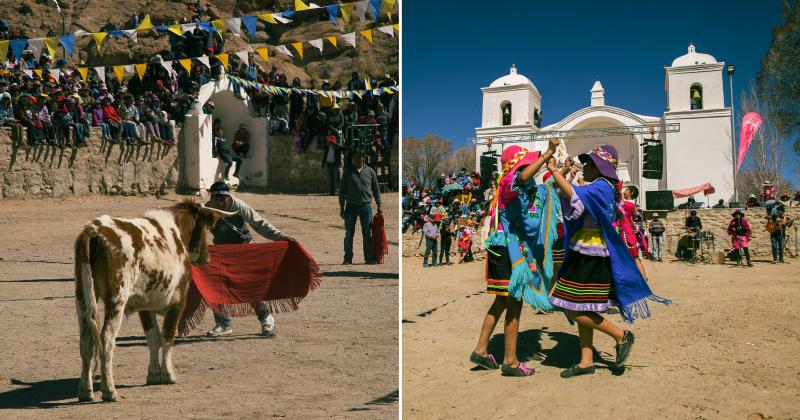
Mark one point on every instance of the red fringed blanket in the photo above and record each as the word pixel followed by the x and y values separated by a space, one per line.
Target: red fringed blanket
pixel 379 245
pixel 281 273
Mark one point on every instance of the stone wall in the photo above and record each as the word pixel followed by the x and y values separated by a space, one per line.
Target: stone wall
pixel 716 221
pixel 100 168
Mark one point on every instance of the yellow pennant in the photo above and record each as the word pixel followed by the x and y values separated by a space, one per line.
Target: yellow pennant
pixel 84 72
pixel 51 44
pixel 98 38
pixel 140 69
pixel 332 40
pixel 145 23
pixel 219 25
pixel 187 64
pixel 263 53
pixel 267 17
pixel 176 29
pixel 120 72
pixel 396 27
pixel 299 6
pixel 3 50
pixel 38 72
pixel 388 7
pixel 367 34
pixel 224 59
pixel 347 9
pixel 299 47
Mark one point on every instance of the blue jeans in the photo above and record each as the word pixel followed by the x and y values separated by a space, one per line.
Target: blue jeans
pixel 261 308
pixel 444 251
pixel 777 247
pixel 657 246
pixel 363 212
pixel 430 249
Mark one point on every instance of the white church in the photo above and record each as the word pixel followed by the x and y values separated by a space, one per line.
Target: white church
pixel 699 152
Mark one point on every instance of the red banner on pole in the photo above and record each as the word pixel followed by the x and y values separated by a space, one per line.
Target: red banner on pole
pixel 750 124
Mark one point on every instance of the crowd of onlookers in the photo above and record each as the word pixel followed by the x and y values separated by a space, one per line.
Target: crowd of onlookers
pixel 450 211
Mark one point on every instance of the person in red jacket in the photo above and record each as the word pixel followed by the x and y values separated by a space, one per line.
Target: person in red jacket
pixel 112 118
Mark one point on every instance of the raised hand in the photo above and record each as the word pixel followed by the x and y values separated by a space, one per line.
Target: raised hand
pixel 554 142
pixel 551 164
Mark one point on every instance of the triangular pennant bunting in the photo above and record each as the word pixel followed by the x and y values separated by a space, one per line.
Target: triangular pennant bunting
pixel 375 5
pixel 388 6
pixel 98 38
pixel 51 44
pixel 84 72
pixel 388 30
pixel 244 57
pixel 279 17
pixel 224 59
pixel 250 23
pixel 56 74
pixel 316 43
pixel 333 10
pixel 219 25
pixel 188 27
pixel 298 46
pixel 68 41
pixel 140 69
pixel 101 73
pixel 168 66
pixel 361 9
pixel 300 6
pixel 175 29
pixel 350 38
pixel 267 17
pixel 332 40
pixel 263 53
pixel 132 35
pixel 187 64
pixel 283 50
pixel 36 45
pixel 347 10
pixel 367 33
pixel 38 73
pixel 120 72
pixel 234 25
pixel 145 23
pixel 204 61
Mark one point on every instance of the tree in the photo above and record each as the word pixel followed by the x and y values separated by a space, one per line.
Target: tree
pixel 751 182
pixel 779 76
pixel 424 160
pixel 462 157
pixel 764 159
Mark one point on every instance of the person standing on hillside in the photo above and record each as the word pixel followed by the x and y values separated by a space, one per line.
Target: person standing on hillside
pixel 357 189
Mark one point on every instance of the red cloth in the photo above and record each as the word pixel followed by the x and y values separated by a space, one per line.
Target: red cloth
pixel 706 188
pixel 281 273
pixel 379 245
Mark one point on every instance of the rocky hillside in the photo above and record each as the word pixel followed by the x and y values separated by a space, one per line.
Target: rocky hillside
pixel 34 17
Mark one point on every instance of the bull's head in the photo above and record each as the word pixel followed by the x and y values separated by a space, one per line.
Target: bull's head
pixel 193 219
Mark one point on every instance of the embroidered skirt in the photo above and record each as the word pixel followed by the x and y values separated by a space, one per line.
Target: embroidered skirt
pixel 585 284
pixel 498 270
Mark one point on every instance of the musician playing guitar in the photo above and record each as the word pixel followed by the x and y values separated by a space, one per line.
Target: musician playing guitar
pixel 776 226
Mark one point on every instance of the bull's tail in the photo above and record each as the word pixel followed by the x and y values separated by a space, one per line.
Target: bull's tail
pixel 86 303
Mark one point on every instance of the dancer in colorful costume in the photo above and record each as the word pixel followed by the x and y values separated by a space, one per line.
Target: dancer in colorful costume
pixel 598 269
pixel 519 261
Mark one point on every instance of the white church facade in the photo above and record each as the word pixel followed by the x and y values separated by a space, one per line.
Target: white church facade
pixel 699 152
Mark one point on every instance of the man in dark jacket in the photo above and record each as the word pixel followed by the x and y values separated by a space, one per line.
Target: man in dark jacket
pixel 233 230
pixel 359 186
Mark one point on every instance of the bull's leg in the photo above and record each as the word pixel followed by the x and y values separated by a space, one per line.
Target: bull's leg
pixel 108 336
pixel 85 389
pixel 151 330
pixel 171 318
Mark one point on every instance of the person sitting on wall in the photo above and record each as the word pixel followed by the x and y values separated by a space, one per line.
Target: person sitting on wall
pixel 241 141
pixel 720 204
pixel 223 150
pixel 752 201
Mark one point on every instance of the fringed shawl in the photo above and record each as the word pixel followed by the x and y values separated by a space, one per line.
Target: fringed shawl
pixel 529 218
pixel 630 287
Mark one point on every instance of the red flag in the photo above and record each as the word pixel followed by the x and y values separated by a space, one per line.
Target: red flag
pixel 750 124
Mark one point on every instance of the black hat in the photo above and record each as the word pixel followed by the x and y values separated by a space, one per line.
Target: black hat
pixel 220 188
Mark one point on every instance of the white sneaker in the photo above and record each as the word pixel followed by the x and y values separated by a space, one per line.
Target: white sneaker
pixel 219 331
pixel 268 326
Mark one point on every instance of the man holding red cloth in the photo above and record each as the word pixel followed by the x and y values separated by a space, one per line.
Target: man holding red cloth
pixel 233 230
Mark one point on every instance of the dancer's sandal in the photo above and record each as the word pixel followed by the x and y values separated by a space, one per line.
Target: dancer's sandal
pixel 520 370
pixel 624 348
pixel 485 362
pixel 576 370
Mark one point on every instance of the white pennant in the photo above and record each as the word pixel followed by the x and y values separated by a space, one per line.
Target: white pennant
pixel 350 38
pixel 283 50
pixel 128 68
pixel 313 6
pixel 168 67
pixel 244 57
pixel 234 25
pixel 316 43
pixel 132 34
pixel 279 17
pixel 28 73
pixel 81 32
pixel 101 73
pixel 388 30
pixel 361 9
pixel 188 27
pixel 36 46
pixel 56 73
pixel 204 60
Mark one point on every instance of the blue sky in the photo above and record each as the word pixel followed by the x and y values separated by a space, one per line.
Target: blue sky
pixel 453 48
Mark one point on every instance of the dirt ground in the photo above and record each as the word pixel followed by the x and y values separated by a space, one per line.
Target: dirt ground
pixel 726 348
pixel 336 357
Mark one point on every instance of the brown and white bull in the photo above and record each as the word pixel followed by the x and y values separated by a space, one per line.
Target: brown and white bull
pixel 136 265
